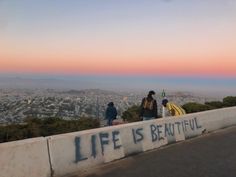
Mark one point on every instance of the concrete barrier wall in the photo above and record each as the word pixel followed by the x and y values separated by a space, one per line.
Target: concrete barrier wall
pixel 216 119
pixel 80 151
pixel 25 158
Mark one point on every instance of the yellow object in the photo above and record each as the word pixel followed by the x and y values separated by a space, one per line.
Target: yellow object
pixel 174 109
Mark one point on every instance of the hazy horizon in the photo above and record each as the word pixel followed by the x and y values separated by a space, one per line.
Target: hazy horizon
pixel 207 86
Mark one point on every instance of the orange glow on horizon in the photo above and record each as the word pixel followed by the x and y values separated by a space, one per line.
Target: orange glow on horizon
pixel 142 66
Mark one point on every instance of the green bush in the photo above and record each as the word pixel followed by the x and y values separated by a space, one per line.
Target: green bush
pixel 34 127
pixel 229 101
pixel 131 114
pixel 215 104
pixel 196 107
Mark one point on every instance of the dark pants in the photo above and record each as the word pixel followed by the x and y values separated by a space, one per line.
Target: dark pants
pixel 109 122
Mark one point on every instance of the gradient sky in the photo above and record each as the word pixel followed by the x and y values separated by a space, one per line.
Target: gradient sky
pixel 151 37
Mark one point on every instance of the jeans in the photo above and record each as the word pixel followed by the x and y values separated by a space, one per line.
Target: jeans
pixel 109 122
pixel 148 118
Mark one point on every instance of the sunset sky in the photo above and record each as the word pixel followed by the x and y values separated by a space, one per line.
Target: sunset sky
pixel 119 37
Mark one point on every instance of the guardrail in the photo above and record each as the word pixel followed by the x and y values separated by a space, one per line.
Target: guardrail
pixel 65 154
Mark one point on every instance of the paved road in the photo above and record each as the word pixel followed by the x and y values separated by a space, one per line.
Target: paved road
pixel 211 155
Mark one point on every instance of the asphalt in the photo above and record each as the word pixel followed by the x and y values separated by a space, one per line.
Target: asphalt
pixel 210 155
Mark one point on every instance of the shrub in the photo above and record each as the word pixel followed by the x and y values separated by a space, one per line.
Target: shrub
pixel 131 114
pixel 215 104
pixel 229 101
pixel 196 107
pixel 34 127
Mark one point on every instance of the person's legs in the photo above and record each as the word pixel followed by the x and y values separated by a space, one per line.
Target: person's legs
pixel 148 118
pixel 109 122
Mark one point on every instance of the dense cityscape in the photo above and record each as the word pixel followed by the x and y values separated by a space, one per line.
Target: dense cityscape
pixel 18 104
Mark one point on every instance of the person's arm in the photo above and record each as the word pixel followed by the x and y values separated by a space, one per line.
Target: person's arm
pixel 106 114
pixel 170 109
pixel 155 109
pixel 141 108
pixel 115 113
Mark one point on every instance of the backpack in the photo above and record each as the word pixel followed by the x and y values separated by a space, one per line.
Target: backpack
pixel 148 104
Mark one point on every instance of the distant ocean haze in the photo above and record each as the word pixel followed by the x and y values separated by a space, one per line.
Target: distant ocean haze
pixel 208 86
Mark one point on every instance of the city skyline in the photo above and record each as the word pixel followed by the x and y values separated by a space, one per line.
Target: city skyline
pixel 179 44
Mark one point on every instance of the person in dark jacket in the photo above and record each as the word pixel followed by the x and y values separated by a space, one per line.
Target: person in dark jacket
pixel 111 113
pixel 148 107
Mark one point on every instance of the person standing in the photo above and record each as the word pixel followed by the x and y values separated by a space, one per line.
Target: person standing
pixel 148 107
pixel 111 113
pixel 173 109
